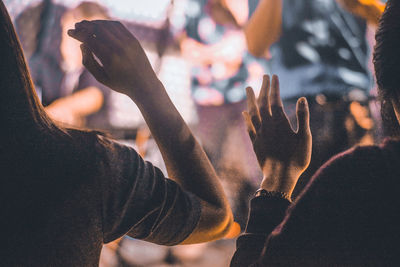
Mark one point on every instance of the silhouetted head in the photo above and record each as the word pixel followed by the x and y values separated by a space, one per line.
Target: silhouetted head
pixel 387 66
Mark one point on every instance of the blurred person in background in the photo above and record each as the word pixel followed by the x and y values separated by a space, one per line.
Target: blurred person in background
pixel 69 93
pixel 319 50
pixel 214 43
pixel 66 192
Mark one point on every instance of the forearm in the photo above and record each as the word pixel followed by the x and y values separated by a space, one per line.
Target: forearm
pixel 83 102
pixel 87 101
pixel 279 177
pixel 373 12
pixel 264 26
pixel 185 159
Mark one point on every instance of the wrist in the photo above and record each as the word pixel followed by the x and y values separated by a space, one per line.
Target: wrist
pixel 150 94
pixel 283 187
pixel 279 177
pixel 272 194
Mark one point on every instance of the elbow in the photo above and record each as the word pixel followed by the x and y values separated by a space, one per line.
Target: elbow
pixel 215 223
pixel 256 49
pixel 223 225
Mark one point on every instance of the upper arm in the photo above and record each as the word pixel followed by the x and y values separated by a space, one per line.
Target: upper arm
pixel 138 200
pixel 264 26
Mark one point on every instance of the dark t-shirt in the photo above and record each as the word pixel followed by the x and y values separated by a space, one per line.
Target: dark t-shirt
pixel 322 49
pixel 59 210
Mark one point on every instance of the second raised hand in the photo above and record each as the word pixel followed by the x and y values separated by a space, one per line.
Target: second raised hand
pixel 283 154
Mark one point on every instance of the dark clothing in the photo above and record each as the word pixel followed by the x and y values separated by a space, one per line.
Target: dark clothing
pixel 322 49
pixel 345 217
pixel 59 210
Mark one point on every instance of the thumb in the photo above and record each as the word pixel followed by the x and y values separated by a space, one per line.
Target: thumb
pixel 303 117
pixel 92 65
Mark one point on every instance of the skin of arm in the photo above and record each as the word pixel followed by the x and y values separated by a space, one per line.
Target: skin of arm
pixel 126 69
pixel 370 10
pixel 264 27
pixel 73 108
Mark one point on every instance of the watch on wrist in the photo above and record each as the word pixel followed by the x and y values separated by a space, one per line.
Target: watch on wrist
pixel 272 194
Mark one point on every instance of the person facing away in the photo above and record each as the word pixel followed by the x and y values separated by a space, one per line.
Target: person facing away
pixel 65 192
pixel 347 215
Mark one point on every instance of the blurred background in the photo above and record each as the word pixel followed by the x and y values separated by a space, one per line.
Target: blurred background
pixel 199 52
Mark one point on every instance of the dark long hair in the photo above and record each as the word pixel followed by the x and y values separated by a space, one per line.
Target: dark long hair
pixel 387 64
pixel 20 109
pixel 31 144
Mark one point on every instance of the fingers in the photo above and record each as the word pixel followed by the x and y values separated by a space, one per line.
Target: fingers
pixel 303 117
pixel 276 101
pixel 263 98
pixel 253 108
pixel 84 31
pixel 99 39
pixel 250 127
pixel 92 65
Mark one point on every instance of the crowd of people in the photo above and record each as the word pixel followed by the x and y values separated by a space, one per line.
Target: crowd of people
pixel 68 190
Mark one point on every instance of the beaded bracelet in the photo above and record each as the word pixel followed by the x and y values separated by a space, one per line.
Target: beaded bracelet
pixel 272 194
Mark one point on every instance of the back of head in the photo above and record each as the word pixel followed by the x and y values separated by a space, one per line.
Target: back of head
pixel 387 64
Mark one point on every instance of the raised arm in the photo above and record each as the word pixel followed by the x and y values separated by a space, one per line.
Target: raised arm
pixel 264 27
pixel 116 59
pixel 283 154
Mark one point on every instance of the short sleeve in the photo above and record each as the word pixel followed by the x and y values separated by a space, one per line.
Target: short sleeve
pixel 139 201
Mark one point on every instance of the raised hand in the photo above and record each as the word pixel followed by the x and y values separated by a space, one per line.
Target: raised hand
pixel 115 58
pixel 283 154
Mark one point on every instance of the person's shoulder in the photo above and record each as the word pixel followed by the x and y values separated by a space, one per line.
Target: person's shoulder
pixel 370 155
pixel 351 166
pixel 355 155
